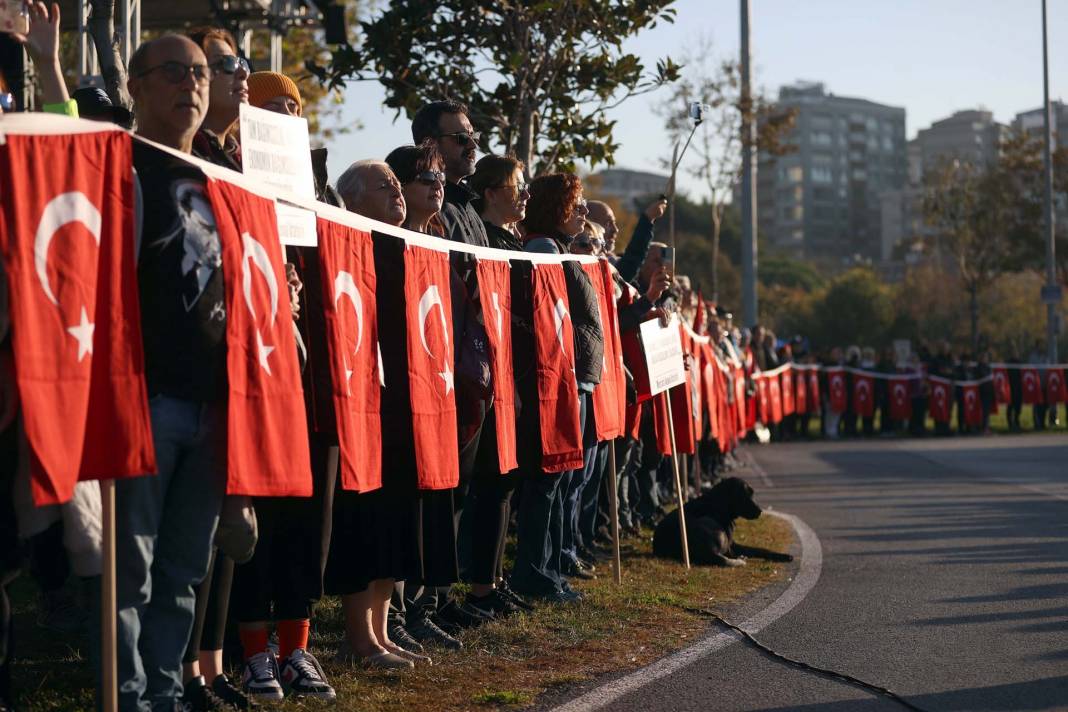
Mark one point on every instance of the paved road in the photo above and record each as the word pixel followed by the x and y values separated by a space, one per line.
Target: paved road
pixel 944 577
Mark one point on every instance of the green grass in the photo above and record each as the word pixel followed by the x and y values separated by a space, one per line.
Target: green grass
pixel 504 664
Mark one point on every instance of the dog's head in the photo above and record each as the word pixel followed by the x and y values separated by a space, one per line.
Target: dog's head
pixel 739 498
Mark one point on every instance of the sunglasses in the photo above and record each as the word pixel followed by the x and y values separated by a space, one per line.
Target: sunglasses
pixel 430 177
pixel 464 138
pixel 594 242
pixel 229 64
pixel 7 101
pixel 176 72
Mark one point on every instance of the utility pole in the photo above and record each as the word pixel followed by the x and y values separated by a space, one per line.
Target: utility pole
pixel 749 209
pixel 1051 293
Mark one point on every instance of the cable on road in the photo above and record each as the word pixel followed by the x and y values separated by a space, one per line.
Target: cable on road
pixel 833 674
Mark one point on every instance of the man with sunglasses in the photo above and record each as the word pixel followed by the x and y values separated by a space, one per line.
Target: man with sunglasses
pixel 165 522
pixel 446 124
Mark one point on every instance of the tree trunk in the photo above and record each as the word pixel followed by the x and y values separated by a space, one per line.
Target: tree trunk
pixel 717 220
pixel 102 30
pixel 973 308
pixel 524 145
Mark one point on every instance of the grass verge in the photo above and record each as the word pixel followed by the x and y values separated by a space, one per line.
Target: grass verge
pixel 504 665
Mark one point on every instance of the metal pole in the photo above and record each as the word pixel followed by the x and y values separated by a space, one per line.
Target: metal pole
pixel 613 509
pixel 671 196
pixel 108 603
pixel 1052 293
pixel 749 208
pixel 679 498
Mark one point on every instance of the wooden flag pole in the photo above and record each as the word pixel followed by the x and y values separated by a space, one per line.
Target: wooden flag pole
pixel 678 483
pixel 613 508
pixel 109 692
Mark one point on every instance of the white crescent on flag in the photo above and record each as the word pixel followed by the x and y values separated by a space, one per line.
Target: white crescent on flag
pixel 863 390
pixel 257 254
pixel 62 210
pixel 431 298
pixel 559 314
pixel 499 315
pixel 344 284
pixel 899 393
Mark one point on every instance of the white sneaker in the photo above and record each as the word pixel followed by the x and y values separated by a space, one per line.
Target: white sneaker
pixel 260 678
pixel 303 676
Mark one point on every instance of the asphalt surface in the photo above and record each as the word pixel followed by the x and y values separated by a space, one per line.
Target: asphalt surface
pixel 944 578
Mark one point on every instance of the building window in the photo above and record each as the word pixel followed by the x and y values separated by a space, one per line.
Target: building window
pixel 795 174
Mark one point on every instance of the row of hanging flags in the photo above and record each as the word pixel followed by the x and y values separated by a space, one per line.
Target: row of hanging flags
pixel 70 261
pixel 795 389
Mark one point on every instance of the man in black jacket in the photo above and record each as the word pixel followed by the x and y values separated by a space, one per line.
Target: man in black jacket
pixel 446 123
pixel 633 257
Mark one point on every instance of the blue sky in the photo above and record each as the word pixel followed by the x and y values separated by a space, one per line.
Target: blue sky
pixel 932 57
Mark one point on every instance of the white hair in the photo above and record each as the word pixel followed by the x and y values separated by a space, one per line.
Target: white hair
pixel 350 184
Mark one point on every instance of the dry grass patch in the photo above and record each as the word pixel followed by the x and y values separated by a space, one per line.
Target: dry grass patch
pixel 505 664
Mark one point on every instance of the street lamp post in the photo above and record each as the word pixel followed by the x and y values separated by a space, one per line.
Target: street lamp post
pixel 749 227
pixel 1051 293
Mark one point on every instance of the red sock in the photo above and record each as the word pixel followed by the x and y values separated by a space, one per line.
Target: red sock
pixel 253 640
pixel 292 635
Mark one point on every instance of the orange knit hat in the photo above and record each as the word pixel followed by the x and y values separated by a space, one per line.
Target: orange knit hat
pixel 264 86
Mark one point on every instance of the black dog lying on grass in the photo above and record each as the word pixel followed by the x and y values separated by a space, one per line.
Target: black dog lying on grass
pixel 710 527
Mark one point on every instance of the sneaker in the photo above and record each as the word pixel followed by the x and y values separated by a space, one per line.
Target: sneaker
pixel 403 639
pixel 198 697
pixel 59 612
pixel 259 679
pixel 428 632
pixel 504 591
pixel 492 605
pixel 302 676
pixel 229 693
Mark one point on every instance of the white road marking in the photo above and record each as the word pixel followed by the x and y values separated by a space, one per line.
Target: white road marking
pixel 803 583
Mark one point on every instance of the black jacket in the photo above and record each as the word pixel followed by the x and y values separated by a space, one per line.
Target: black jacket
pixel 462 222
pixel 638 247
pixel 586 321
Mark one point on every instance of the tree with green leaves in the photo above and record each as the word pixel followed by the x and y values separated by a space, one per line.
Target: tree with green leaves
pixel 716 151
pixel 538 77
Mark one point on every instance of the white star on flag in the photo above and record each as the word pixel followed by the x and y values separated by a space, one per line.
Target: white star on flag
pixel 446 376
pixel 83 334
pixel 264 352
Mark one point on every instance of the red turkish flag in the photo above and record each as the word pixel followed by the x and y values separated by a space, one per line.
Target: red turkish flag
pixel 1032 386
pixel 709 372
pixel 863 395
pixel 495 294
pixel 633 354
pixel 76 323
pixel 432 395
pixel 973 409
pixel 1055 389
pixel 1002 392
pixel 697 390
pixel 346 258
pixel 554 345
pixel 814 390
pixel 800 391
pixel 900 399
pixel 609 397
pixel 739 404
pixel 787 385
pixel 774 398
pixel 763 398
pixel 941 399
pixel 836 387
pixel 267 434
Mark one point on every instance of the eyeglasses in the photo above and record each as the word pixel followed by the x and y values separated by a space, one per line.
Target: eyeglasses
pixel 582 208
pixel 585 241
pixel 7 101
pixel 520 188
pixel 464 138
pixel 430 177
pixel 229 63
pixel 176 72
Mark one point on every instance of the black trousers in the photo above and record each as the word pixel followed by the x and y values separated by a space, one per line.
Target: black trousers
pixel 284 578
pixel 489 507
pixel 10 556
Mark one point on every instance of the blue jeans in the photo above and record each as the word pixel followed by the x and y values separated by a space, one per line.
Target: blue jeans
pixel 537 562
pixel 164 527
pixel 591 496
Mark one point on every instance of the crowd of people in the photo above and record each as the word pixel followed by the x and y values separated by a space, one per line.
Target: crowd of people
pixel 193 584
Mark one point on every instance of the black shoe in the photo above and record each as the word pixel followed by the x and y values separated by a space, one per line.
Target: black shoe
pixel 403 639
pixel 503 591
pixel 198 697
pixel 228 693
pixel 565 596
pixel 427 632
pixel 461 615
pixel 492 605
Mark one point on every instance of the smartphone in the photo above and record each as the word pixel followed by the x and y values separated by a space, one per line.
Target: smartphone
pixel 667 255
pixel 697 111
pixel 13 18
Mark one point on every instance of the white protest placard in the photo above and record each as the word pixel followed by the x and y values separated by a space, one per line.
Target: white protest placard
pixel 902 351
pixel 663 354
pixel 275 149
